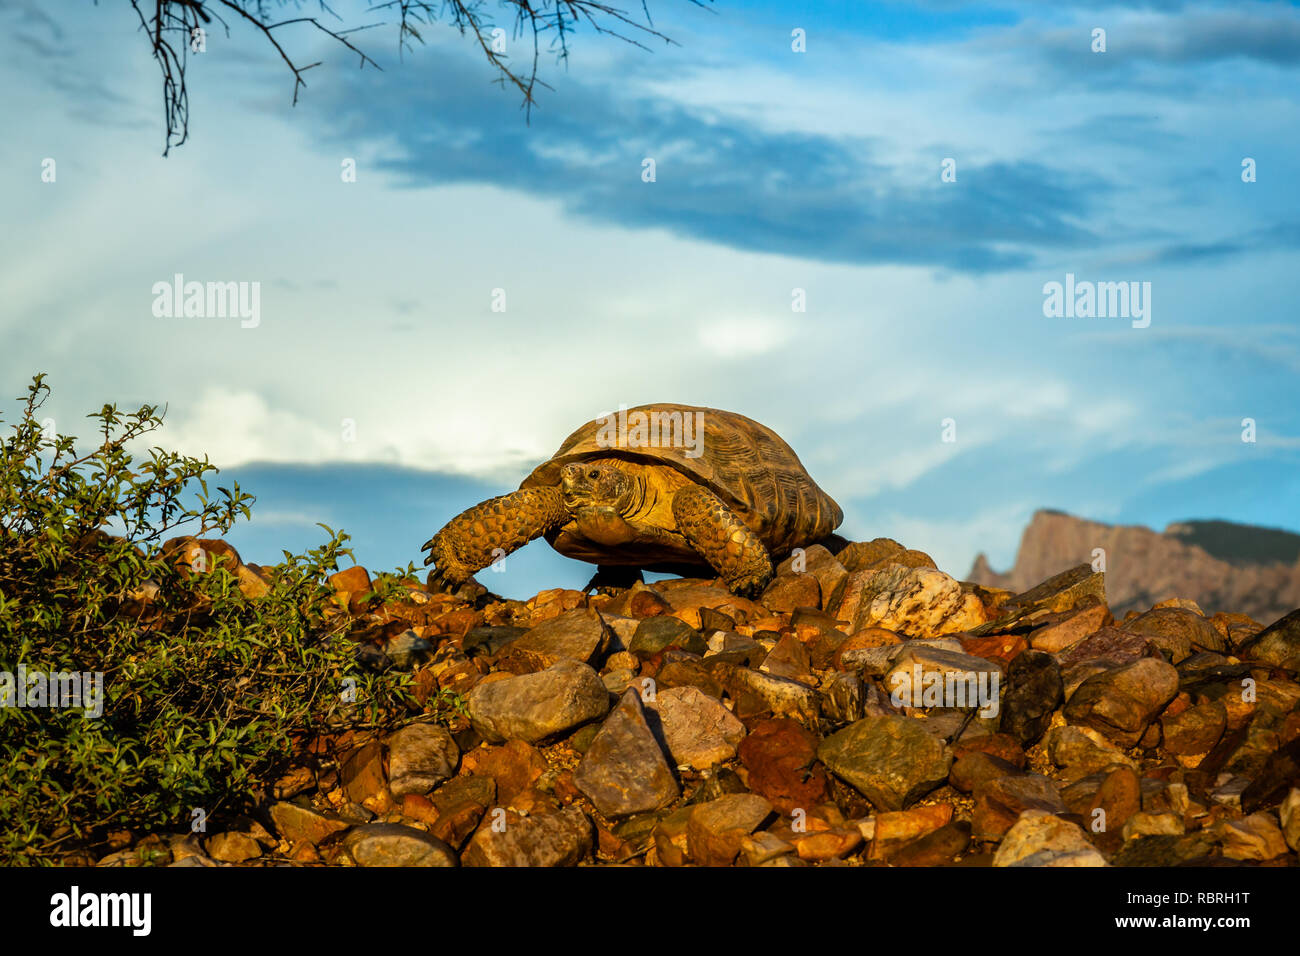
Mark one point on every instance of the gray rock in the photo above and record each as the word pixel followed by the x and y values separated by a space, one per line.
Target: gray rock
pixel 420 756
pixel 407 649
pixel 392 844
pixel 624 771
pixel 535 706
pixel 696 729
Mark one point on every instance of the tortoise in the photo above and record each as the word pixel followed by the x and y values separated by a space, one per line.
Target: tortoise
pixel 683 487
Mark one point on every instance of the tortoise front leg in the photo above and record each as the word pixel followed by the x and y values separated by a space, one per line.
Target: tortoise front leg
pixel 723 540
pixel 475 538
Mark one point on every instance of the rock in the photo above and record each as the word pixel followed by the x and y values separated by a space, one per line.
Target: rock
pixel 1043 839
pixel 1278 644
pixel 1256 837
pixel 869 637
pixel 715 830
pixel 818 562
pixel 1079 624
pixel 937 848
pixel 1280 772
pixel 1078 586
pixel 1000 648
pixel 1178 632
pixel 654 634
pixel 999 803
pixel 1032 694
pixel 999 745
pixel 843 701
pixel 1289 812
pixel 480 788
pixel 513 768
pixel 892 761
pixel 687 597
pixel 1164 850
pixel 689 674
pixel 535 706
pixel 420 756
pixel 392 844
pixel 1195 730
pixel 577 635
pixel 782 696
pixel 1142 824
pixel 918 602
pixel 233 847
pixel 759 848
pixel 1080 751
pixel 697 730
pixel 781 757
pixel 789 658
pixel 297 824
pixel 971 770
pixel 488 640
pixel 624 771
pixel 362 776
pixel 1108 646
pixel 735 649
pixel 407 649
pixel 880 553
pixel 898 829
pixel 548 839
pixel 1121 703
pixel 1117 799
pixel 790 591
pixel 930 677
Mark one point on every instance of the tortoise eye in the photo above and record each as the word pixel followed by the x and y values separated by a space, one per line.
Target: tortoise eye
pixel 594 473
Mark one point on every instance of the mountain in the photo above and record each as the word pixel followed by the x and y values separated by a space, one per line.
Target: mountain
pixel 1219 564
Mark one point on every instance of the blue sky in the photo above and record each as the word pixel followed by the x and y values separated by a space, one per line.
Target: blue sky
pixel 775 171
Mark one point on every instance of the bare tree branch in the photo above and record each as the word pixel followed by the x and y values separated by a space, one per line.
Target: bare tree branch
pixel 175 29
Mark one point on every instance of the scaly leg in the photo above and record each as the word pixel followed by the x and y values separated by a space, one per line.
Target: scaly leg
pixel 723 540
pixel 491 530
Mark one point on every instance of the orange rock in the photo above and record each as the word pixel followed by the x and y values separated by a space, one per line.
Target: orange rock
pixel 350 580
pixel 515 766
pixel 994 647
pixel 897 829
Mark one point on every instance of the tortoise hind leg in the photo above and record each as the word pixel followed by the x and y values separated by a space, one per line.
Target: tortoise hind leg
pixel 728 544
pixel 491 530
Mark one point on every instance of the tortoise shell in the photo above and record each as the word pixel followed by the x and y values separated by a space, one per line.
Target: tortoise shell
pixel 746 464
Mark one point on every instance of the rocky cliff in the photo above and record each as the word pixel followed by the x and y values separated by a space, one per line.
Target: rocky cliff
pixel 1220 565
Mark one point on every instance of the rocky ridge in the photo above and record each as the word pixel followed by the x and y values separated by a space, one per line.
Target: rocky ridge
pixel 866 710
pixel 1144 567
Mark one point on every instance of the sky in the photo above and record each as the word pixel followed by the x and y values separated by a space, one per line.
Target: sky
pixel 917 176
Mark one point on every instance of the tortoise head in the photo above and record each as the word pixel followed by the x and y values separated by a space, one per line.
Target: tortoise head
pixel 597 485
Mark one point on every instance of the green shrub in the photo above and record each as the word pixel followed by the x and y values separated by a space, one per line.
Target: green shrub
pixel 207 692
